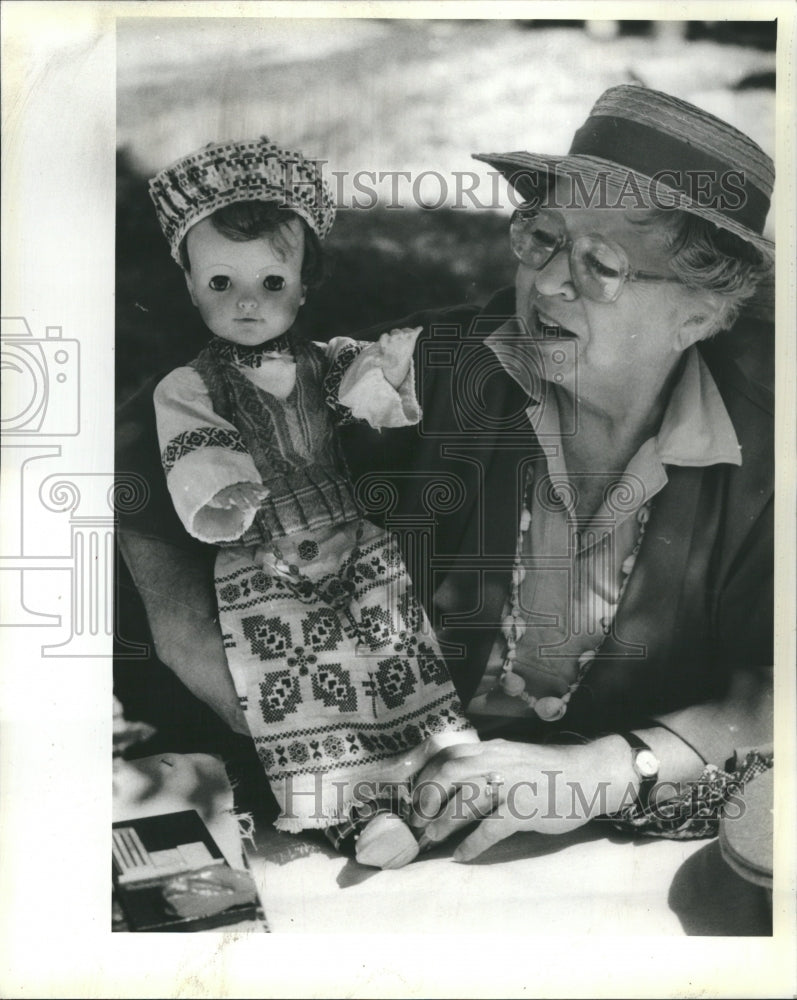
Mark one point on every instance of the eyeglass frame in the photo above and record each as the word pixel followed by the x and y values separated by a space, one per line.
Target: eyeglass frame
pixel 565 242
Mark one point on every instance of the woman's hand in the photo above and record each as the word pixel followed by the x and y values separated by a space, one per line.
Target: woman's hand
pixel 507 787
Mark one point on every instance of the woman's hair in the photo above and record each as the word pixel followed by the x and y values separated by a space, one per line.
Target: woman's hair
pixel 708 258
pixel 251 220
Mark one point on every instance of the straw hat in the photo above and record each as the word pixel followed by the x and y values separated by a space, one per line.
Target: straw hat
pixel 221 173
pixel 642 148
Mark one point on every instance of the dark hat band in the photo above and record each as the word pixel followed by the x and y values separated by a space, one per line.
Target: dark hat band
pixel 646 150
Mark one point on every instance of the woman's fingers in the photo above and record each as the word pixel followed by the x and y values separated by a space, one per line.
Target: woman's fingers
pixel 473 800
pixel 490 831
pixel 444 774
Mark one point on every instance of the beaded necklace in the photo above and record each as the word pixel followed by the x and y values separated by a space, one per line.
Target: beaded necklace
pixel 551 708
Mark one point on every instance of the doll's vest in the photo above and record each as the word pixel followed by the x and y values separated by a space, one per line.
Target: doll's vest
pixel 292 442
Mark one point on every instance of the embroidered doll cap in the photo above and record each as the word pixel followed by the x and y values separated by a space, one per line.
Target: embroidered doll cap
pixel 219 174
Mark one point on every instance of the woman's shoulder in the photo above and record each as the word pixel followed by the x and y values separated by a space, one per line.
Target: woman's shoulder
pixel 742 361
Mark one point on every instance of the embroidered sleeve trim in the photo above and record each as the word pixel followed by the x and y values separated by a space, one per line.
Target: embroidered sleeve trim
pixel 332 381
pixel 200 437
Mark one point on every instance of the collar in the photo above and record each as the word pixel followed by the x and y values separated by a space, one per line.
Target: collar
pixel 252 357
pixel 696 429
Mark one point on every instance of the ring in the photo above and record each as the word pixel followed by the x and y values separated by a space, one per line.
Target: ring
pixel 494 778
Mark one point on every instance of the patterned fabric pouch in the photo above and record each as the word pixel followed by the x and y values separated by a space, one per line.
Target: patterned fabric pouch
pixel 697 812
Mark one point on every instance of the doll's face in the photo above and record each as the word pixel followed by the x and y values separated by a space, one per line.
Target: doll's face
pixel 246 292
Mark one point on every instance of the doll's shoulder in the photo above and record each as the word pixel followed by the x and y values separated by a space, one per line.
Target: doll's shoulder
pixel 183 384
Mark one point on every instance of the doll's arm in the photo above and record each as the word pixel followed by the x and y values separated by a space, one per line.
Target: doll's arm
pixel 374 382
pixel 212 479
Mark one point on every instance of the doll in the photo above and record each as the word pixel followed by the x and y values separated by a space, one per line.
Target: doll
pixel 337 669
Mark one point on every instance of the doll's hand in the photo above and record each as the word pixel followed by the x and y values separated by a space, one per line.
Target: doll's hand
pixel 241 496
pixel 396 353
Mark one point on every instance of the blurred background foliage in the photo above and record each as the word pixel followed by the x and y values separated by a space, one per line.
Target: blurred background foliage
pixel 386 95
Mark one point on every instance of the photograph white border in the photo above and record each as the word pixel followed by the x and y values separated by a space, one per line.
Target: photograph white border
pixel 58 92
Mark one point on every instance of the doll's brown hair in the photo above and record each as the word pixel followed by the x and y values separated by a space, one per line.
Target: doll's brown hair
pixel 251 220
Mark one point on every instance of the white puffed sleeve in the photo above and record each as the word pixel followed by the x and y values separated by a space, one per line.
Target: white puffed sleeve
pixel 201 454
pixel 356 386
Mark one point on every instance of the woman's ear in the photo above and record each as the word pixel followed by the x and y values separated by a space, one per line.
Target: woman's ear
pixel 189 284
pixel 702 319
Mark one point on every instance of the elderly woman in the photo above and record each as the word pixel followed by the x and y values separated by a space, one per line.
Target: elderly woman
pixel 613 566
pixel 594 477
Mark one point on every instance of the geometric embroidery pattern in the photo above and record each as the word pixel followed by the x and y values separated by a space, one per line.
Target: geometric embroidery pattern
pixel 322 631
pixel 334 377
pixel 270 638
pixel 356 742
pixel 432 667
pixel 305 663
pixel 247 585
pixel 410 611
pixel 308 549
pixel 332 685
pixel 279 696
pixel 200 437
pixel 377 623
pixel 395 681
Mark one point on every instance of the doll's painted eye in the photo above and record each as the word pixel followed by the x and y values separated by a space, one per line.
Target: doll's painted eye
pixel 219 283
pixel 273 283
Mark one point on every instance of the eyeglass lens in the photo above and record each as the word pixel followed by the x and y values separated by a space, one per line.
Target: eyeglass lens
pixel 598 269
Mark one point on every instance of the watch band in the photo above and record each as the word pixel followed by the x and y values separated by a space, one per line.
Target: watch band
pixel 648 775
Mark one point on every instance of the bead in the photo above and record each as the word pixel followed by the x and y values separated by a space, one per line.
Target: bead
pixel 512 628
pixel 513 685
pixel 550 709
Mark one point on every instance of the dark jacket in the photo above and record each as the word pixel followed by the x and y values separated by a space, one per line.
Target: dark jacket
pixel 692 641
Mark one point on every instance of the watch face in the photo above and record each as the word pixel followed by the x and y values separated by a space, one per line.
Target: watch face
pixel 647 764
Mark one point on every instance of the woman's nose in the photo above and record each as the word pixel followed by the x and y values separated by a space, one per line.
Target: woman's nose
pixel 554 278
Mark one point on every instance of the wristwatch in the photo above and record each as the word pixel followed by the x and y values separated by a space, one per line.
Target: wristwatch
pixel 646 765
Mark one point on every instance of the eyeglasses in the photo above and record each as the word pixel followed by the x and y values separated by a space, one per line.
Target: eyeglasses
pixel 599 269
